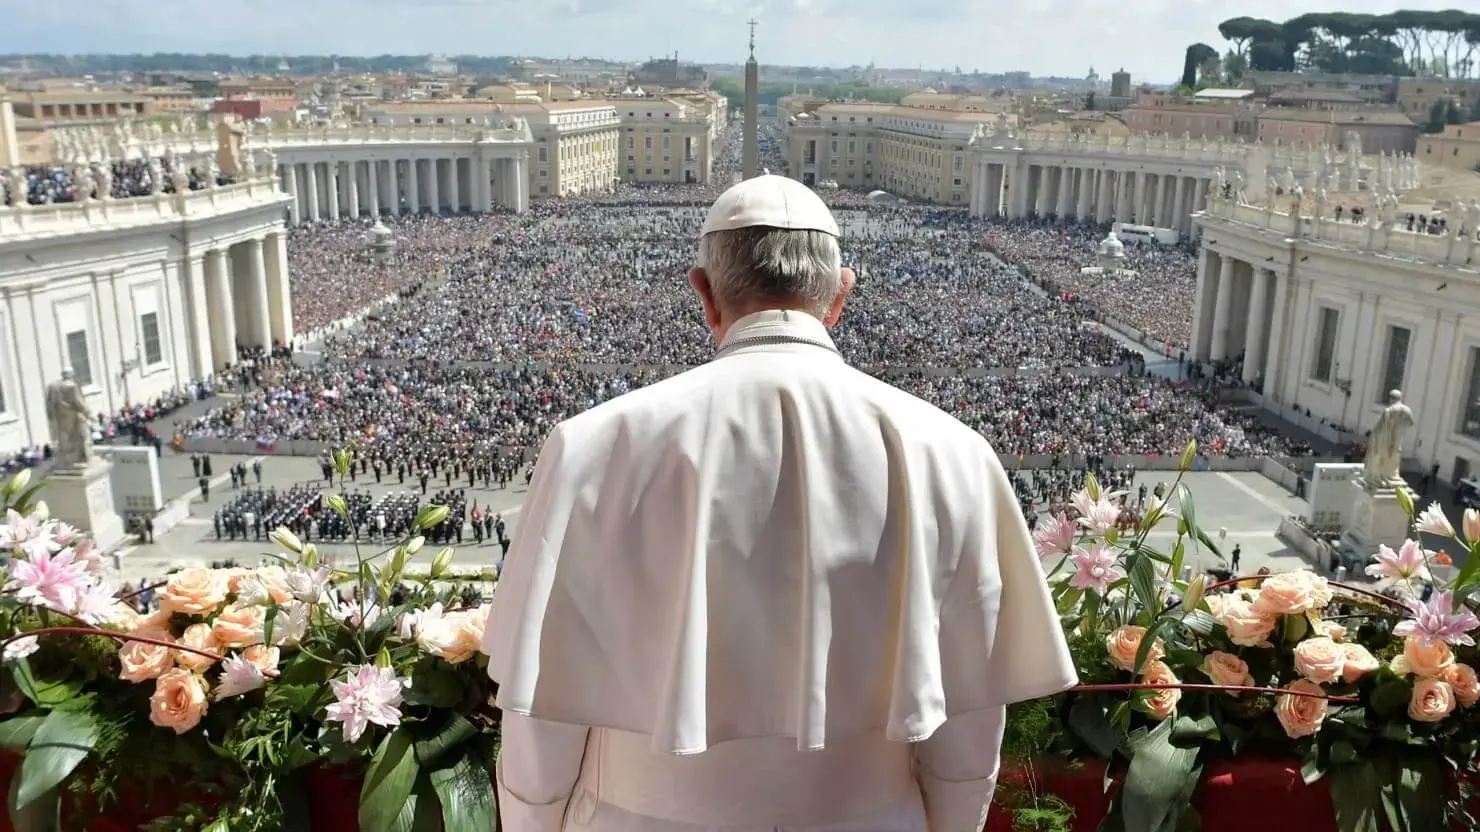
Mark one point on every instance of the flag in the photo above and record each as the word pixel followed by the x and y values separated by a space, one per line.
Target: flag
pixel 266 446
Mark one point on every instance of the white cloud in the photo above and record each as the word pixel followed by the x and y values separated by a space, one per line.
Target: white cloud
pixel 1062 37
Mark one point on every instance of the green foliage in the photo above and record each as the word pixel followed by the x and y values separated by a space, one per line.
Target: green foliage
pixel 1403 42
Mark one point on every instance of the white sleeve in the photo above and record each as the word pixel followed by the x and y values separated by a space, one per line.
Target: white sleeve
pixel 957 770
pixel 539 763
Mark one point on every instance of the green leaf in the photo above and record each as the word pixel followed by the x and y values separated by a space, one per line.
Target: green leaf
pixel 1159 782
pixel 40 815
pixel 1093 723
pixel 435 685
pixel 1200 622
pixel 1148 640
pixel 1185 508
pixel 466 792
pixel 388 783
pixel 1143 582
pixel 269 618
pixel 1356 796
pixel 44 693
pixel 62 741
pixel 1467 572
pixel 1187 729
pixel 17 731
pixel 1391 698
pixel 453 733
pixel 1068 599
pixel 1420 789
pixel 1179 555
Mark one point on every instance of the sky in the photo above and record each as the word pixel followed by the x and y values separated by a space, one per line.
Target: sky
pixel 1044 37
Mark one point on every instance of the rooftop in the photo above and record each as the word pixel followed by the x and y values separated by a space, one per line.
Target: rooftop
pixel 1378 117
pixel 1222 94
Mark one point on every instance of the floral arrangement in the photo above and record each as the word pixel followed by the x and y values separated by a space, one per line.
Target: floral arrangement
pixel 242 681
pixel 1371 687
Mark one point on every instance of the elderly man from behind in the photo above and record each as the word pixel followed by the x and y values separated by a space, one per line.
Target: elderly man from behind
pixel 771 591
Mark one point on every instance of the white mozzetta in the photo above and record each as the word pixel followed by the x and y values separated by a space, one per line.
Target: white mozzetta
pixel 1343 312
pixel 136 295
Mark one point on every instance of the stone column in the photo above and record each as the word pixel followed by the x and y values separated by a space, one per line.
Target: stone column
pixel 413 187
pixel 290 183
pixel 1066 193
pixel 1102 196
pixel 521 182
pixel 1222 308
pixel 222 309
pixel 335 188
pixel 1258 306
pixel 279 293
pixel 434 187
pixel 259 316
pixel 454 195
pixel 352 184
pixel 1200 195
pixel 483 199
pixel 1180 215
pixel 198 318
pixel 311 190
pixel 393 186
pixel 1274 358
pixel 375 188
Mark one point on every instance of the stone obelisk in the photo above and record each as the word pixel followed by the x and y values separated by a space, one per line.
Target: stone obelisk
pixel 750 149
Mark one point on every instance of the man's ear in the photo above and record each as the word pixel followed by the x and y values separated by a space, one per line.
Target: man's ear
pixel 700 281
pixel 835 311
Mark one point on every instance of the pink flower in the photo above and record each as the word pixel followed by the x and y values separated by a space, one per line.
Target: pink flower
pixel 55 581
pixel 29 534
pixel 1095 569
pixel 1439 621
pixel 370 695
pixel 1433 521
pixel 1406 564
pixel 1054 536
pixel 97 604
pixel 1096 515
pixel 20 648
pixel 238 676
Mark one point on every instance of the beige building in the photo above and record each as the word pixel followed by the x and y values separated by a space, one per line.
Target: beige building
pixel 68 106
pixel 1199 118
pixel 1457 147
pixel 666 140
pixel 575 146
pixel 915 152
pixel 508 94
pixel 1416 96
pixel 171 99
pixel 259 88
pixel 1380 130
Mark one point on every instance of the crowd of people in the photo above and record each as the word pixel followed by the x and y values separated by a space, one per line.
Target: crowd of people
pixel 499 326
pixel 121 179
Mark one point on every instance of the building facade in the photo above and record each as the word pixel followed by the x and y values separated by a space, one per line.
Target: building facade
pixel 1457 147
pixel 136 296
pixel 1329 316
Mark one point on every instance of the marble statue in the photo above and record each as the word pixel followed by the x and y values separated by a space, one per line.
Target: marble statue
pixel 210 171
pixel 1270 187
pixel 272 162
pixel 1320 203
pixel 1472 217
pixel 1220 183
pixel 180 180
pixel 1145 143
pixel 1297 196
pixel 1335 180
pixel 1238 186
pixel 1385 444
pixel 68 417
pixel 156 176
pixel 249 163
pixel 105 181
pixel 1287 180
pixel 82 183
pixel 1455 229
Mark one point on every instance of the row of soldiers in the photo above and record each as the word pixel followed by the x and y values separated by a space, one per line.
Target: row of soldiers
pixel 253 513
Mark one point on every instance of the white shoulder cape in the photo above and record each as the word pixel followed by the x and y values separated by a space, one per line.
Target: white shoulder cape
pixel 700 565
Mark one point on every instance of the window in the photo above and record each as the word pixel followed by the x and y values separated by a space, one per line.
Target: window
pixel 77 356
pixel 631 142
pixel 665 142
pixel 544 155
pixel 1325 358
pixel 1396 364
pixel 1470 407
pixel 149 333
pixel 647 142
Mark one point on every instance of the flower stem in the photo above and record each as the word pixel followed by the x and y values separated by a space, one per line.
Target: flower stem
pixel 95 631
pixel 1132 686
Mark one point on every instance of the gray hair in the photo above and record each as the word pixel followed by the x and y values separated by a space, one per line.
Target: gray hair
pixel 749 264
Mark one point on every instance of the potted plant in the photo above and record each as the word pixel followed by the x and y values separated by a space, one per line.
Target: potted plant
pixel 243 687
pixel 1356 704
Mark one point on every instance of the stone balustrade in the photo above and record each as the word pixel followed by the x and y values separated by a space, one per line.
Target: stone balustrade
pixel 300 136
pixel 67 218
pixel 1390 238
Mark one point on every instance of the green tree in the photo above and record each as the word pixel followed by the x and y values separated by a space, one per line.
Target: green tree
pixel 1438 116
pixel 1196 55
pixel 1089 100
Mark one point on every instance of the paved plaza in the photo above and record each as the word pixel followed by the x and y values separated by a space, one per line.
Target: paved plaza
pixel 1241 508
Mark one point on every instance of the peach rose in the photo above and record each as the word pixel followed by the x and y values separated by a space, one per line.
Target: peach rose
pixel 238 626
pixel 1162 703
pixel 265 658
pixel 1432 700
pixel 234 577
pixel 1246 626
pixel 193 592
pixel 142 662
pixel 179 700
pixel 155 622
pixel 470 629
pixel 1466 686
pixel 199 637
pixel 1420 660
pixel 1125 642
pixel 1359 663
pixel 274 579
pixel 1227 669
pixel 1335 632
pixel 1320 660
pixel 1301 716
pixel 1293 593
pixel 125 618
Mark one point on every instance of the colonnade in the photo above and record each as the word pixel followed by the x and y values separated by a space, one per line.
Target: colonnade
pixel 237 295
pixel 430 183
pixel 1238 309
pixel 1088 194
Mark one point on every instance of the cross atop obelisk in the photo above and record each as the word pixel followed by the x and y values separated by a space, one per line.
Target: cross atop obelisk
pixel 750 147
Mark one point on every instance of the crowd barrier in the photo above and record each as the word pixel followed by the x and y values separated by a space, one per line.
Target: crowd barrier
pixel 249 447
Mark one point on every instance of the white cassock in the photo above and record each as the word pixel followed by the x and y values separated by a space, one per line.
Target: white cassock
pixel 769 592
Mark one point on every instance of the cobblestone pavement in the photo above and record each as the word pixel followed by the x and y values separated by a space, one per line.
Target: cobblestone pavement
pixel 1241 508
